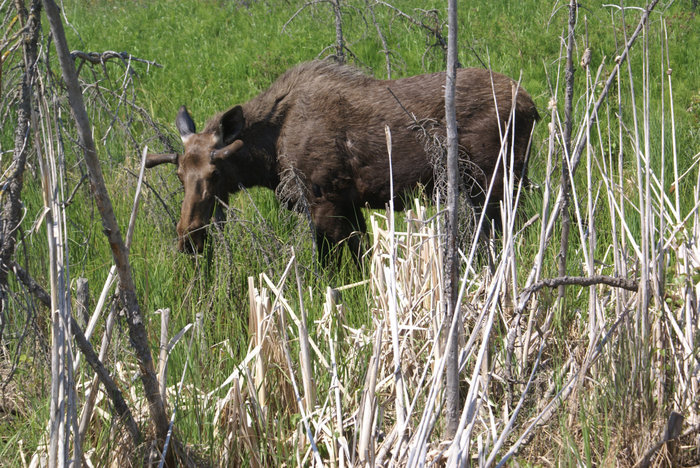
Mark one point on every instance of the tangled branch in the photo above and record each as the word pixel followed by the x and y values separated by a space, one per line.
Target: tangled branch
pixel 623 283
pixel 99 58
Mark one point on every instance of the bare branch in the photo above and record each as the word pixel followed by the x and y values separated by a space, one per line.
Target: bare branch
pixel 302 8
pixel 568 124
pixel 435 31
pixel 451 310
pixel 12 206
pixel 339 41
pixel 32 286
pixel 91 357
pixel 674 417
pixel 110 386
pixel 99 58
pixel 624 283
pixel 137 330
pixel 385 46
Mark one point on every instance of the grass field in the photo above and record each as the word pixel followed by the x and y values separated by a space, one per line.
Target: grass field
pixel 627 372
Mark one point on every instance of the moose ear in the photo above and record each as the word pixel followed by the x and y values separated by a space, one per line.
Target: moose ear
pixel 184 123
pixel 231 125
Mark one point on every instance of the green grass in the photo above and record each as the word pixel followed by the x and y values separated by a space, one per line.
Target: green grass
pixel 219 53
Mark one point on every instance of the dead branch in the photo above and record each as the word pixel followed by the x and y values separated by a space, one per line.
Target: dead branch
pixel 339 41
pixel 166 207
pixel 127 291
pixel 85 347
pixel 385 46
pixel 624 283
pixel 568 125
pixel 73 192
pixel 432 30
pixel 100 58
pixel 110 386
pixel 435 31
pixel 32 286
pixel 160 132
pixel 452 259
pixel 671 433
pixel 302 8
pixel 575 157
pixel 12 207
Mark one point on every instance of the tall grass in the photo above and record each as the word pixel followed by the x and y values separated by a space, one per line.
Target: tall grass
pixel 589 381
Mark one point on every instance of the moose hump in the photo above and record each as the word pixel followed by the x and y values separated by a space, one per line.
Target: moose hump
pixel 318 132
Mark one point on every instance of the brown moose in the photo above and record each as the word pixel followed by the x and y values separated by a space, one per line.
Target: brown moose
pixel 321 128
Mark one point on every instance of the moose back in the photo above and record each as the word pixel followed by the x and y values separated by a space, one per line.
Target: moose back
pixel 319 133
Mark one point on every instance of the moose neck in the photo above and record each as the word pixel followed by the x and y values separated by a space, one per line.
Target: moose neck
pixel 260 140
pixel 264 117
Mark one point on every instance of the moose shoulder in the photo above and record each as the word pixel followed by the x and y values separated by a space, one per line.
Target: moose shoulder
pixel 318 133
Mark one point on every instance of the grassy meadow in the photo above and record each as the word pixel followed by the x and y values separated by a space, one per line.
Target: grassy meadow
pixel 611 364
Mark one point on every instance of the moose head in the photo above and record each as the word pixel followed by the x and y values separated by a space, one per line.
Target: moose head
pixel 207 170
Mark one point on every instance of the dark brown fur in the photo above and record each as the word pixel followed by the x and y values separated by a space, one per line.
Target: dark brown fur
pixel 320 128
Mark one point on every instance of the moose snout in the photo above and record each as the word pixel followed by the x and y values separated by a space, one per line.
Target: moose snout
pixel 191 239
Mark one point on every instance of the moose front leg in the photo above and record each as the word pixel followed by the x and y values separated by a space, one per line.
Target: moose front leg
pixel 356 239
pixel 336 225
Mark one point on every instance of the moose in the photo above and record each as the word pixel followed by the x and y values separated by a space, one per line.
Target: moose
pixel 320 128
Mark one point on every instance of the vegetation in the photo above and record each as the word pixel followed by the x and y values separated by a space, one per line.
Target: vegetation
pixel 589 380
